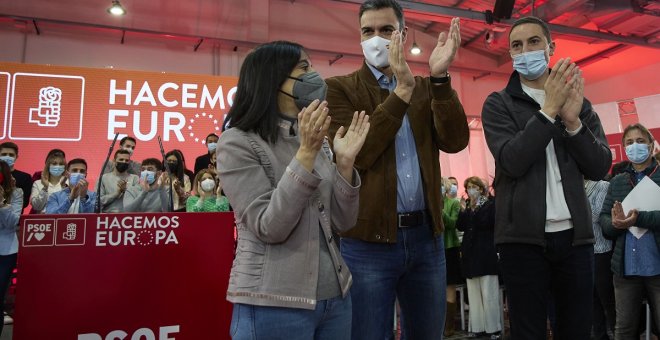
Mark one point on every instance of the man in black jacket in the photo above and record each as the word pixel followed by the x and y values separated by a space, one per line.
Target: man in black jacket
pixel 545 138
pixel 202 162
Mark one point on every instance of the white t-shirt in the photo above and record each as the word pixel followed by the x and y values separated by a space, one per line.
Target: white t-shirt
pixel 557 216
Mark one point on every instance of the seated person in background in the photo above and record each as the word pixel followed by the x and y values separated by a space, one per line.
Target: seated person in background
pixel 127 143
pixel 9 154
pixel 202 162
pixel 114 184
pixel 50 181
pixel 75 197
pixel 152 193
pixel 180 180
pixel 208 194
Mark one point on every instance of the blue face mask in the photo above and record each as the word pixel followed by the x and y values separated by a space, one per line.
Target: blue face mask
pixel 8 159
pixel 530 65
pixel 212 146
pixel 149 176
pixel 453 190
pixel 75 177
pixel 637 153
pixel 56 170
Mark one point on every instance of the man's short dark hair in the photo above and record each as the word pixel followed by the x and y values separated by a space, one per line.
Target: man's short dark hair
pixel 533 20
pixel 76 161
pixel 153 161
pixel 372 5
pixel 212 134
pixel 122 152
pixel 123 140
pixel 10 145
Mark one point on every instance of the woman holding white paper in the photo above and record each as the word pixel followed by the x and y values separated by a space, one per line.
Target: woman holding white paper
pixel 636 257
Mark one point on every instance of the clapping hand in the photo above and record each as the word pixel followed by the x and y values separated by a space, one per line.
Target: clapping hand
pixel 121 187
pixel 620 220
pixel 348 142
pixel 445 50
pixel 313 122
pixel 570 112
pixel 558 86
pixel 400 68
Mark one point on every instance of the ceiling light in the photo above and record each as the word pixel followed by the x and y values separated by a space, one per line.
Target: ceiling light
pixel 116 8
pixel 415 49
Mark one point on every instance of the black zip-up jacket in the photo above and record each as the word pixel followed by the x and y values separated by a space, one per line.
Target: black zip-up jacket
pixel 517 134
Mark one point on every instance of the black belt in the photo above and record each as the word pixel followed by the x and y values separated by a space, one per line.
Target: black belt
pixel 413 218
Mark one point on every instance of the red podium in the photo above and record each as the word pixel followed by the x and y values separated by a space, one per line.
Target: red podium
pixel 124 276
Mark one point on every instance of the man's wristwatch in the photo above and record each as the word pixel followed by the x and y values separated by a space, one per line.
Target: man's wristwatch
pixel 440 80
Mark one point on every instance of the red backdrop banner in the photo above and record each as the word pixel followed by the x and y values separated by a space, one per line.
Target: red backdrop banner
pixel 80 110
pixel 124 276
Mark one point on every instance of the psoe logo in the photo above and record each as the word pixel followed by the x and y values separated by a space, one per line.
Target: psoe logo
pixel 38 232
pixel 46 107
pixel 163 333
pixel 70 231
pixel 49 111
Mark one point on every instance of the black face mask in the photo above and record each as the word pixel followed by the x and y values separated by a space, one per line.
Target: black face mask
pixel 309 87
pixel 121 167
pixel 172 166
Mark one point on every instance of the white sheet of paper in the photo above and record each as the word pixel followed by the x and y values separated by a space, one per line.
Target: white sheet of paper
pixel 645 196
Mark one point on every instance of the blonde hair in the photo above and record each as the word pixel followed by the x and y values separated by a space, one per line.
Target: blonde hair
pixel 199 176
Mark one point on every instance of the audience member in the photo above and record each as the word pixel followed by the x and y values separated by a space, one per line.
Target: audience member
pixel 114 184
pixel 51 181
pixel 74 197
pixel 636 255
pixel 127 143
pixel 10 212
pixel 9 154
pixel 479 259
pixel 450 210
pixel 203 161
pixel 208 194
pixel 604 311
pixel 180 180
pixel 152 193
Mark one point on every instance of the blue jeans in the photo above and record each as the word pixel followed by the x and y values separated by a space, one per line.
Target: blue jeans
pixel 564 270
pixel 331 320
pixel 413 270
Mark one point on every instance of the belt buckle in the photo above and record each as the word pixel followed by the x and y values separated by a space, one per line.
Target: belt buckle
pixel 399 216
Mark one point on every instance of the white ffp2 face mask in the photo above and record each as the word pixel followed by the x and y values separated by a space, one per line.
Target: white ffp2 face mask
pixel 208 184
pixel 376 52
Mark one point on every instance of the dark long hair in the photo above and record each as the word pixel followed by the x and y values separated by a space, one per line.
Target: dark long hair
pixel 179 164
pixel 6 180
pixel 262 74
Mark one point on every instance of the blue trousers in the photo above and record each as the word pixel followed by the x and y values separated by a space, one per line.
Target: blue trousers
pixel 331 320
pixel 412 270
